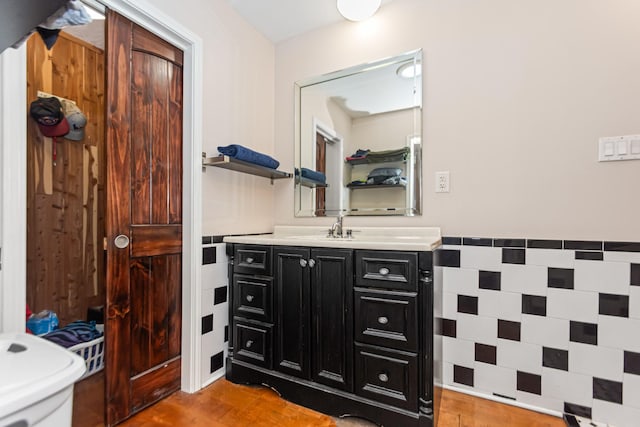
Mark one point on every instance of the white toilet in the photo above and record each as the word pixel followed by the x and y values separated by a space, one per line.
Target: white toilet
pixel 36 382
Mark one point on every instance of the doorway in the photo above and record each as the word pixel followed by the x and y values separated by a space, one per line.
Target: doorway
pixel 329 159
pixel 13 105
pixel 190 255
pixel 65 198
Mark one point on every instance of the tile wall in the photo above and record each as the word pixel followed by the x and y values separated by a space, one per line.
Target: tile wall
pixel 549 323
pixel 215 328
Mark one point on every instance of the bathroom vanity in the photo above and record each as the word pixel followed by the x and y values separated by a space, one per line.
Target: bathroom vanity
pixel 344 326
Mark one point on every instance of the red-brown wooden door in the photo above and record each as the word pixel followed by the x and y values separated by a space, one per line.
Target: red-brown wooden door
pixel 321 166
pixel 144 204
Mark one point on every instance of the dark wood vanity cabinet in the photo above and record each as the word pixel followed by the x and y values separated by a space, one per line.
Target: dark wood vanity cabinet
pixel 313 337
pixel 342 331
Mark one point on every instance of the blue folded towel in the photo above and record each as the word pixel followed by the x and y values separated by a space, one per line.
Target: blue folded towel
pixel 313 175
pixel 243 153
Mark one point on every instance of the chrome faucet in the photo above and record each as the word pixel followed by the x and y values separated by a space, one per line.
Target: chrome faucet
pixel 336 228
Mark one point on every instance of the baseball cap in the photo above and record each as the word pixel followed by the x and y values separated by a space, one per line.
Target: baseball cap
pixel 77 121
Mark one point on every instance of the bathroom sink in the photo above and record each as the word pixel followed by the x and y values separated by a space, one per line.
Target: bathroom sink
pixel 376 238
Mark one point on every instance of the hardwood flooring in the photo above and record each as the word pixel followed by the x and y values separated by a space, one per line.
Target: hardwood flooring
pixel 224 404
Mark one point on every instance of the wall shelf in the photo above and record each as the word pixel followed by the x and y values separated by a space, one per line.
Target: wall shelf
pixel 226 162
pixel 306 182
pixel 356 186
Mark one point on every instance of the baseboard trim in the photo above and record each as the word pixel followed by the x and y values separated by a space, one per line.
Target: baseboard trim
pixel 503 400
pixel 213 378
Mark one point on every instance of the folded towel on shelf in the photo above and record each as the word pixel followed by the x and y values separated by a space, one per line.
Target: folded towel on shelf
pixel 240 152
pixel 388 155
pixel 313 175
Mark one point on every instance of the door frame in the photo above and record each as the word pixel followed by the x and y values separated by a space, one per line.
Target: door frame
pixel 13 125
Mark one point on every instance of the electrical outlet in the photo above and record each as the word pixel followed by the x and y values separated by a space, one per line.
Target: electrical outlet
pixel 442 182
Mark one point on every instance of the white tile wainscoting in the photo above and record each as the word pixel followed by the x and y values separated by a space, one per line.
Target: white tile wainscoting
pixel 548 323
pixel 214 305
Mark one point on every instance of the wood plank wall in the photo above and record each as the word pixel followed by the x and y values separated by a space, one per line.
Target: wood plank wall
pixel 65 200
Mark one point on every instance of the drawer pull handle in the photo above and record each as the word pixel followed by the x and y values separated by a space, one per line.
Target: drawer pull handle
pixel 303 263
pixel 383 320
pixel 383 377
pixel 250 298
pixel 249 260
pixel 383 271
pixel 249 344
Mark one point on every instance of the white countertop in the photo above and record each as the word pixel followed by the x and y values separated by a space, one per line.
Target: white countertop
pixel 382 238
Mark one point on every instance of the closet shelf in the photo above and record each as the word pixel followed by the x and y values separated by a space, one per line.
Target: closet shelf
pixel 306 182
pixel 356 186
pixel 365 161
pixel 226 162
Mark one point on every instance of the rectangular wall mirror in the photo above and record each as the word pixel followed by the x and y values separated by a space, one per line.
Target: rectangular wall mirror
pixel 358 140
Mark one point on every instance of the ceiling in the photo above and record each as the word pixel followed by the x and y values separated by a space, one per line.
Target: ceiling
pixel 281 19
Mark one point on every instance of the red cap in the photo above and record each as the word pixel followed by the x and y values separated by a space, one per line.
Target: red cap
pixel 60 129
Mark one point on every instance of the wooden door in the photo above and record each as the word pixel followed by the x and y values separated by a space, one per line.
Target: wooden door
pixel 144 205
pixel 321 166
pixel 332 317
pixel 291 335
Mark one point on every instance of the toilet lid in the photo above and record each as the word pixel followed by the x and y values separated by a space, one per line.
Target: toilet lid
pixel 33 368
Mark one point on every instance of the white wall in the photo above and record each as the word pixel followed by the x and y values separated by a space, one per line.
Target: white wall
pixel 238 109
pixel 516 95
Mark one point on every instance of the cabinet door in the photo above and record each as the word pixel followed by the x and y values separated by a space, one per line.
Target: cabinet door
pixel 292 311
pixel 331 317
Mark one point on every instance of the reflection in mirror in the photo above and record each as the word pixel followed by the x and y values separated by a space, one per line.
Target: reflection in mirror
pixel 358 140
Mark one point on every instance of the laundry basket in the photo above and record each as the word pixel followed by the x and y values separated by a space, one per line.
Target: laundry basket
pixel 92 352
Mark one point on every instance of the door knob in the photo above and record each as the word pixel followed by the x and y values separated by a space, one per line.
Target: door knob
pixel 303 262
pixel 249 298
pixel 383 271
pixel 312 262
pixel 121 241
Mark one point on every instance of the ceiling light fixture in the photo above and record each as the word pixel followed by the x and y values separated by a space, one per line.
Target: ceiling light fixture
pixel 409 70
pixel 358 10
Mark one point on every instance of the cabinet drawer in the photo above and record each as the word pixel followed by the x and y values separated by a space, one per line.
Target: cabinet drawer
pixel 387 376
pixel 252 343
pixel 253 297
pixel 252 259
pixel 389 270
pixel 388 319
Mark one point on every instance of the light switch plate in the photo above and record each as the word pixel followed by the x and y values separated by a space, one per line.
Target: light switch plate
pixel 613 148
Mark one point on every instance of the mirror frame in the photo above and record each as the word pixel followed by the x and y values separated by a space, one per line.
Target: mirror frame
pixel 414 140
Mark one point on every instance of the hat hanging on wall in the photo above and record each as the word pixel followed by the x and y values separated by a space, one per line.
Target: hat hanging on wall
pixel 48 113
pixel 77 121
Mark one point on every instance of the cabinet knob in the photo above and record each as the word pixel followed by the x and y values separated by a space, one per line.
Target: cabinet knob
pixel 249 298
pixel 383 271
pixel 312 262
pixel 383 320
pixel 249 260
pixel 383 377
pixel 249 344
pixel 303 263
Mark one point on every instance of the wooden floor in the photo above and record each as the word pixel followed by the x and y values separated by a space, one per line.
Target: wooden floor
pixel 224 404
